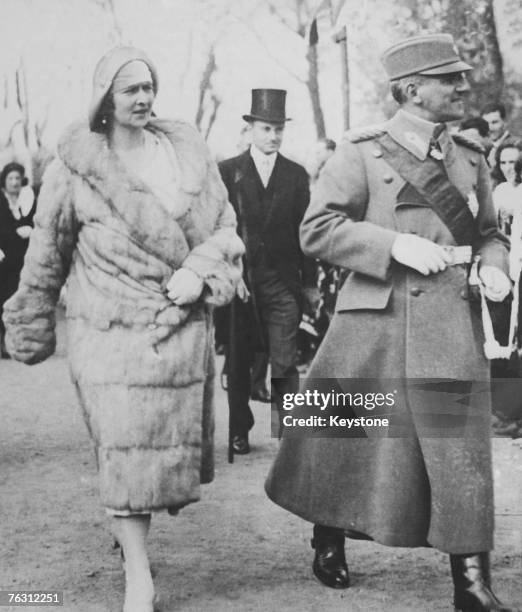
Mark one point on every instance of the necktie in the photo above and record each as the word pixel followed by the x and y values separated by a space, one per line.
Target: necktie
pixel 265 177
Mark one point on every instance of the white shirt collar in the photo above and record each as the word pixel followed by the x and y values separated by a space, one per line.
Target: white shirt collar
pixel 264 163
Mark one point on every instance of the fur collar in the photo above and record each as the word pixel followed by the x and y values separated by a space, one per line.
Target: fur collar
pixel 86 154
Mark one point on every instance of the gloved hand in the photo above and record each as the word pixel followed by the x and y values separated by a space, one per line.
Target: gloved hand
pixel 420 254
pixel 242 291
pixel 184 287
pixel 24 231
pixel 496 284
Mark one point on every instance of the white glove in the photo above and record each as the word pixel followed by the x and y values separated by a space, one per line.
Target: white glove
pixel 242 292
pixel 184 287
pixel 24 231
pixel 2 255
pixel 420 254
pixel 496 284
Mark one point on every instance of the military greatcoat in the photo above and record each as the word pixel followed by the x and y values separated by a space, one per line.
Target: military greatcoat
pixel 392 322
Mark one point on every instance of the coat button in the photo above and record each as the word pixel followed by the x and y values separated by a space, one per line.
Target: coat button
pixel 415 291
pixel 387 178
pixel 152 326
pixel 377 153
pixel 473 161
pixel 464 294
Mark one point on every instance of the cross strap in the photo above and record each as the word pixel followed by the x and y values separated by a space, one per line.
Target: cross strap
pixel 430 179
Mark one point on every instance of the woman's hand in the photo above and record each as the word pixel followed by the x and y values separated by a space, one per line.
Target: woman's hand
pixel 184 287
pixel 24 231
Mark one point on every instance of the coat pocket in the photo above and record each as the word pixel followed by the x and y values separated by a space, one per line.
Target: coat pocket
pixel 363 293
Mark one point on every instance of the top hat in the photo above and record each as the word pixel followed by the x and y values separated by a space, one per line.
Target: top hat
pixel 268 105
pixel 106 70
pixel 431 55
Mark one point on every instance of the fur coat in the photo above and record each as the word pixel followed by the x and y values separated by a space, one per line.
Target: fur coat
pixel 142 366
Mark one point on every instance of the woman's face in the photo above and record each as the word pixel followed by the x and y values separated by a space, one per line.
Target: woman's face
pixel 507 161
pixel 13 182
pixel 133 95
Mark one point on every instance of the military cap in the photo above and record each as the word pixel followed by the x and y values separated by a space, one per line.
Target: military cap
pixel 432 54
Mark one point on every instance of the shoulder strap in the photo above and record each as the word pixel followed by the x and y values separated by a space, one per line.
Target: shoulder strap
pixel 366 133
pixel 471 143
pixel 430 179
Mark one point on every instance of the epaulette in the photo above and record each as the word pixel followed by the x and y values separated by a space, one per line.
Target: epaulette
pixel 365 133
pixel 468 141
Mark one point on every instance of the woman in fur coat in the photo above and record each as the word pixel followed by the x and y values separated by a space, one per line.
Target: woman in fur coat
pixel 134 216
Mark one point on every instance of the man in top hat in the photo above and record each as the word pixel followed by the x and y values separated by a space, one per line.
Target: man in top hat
pixel 270 194
pixel 404 206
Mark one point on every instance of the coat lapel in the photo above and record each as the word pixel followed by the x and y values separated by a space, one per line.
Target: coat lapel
pixel 146 220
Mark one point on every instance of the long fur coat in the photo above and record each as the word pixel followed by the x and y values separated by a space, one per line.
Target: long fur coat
pixel 142 367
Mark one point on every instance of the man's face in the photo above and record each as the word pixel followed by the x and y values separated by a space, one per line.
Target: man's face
pixel 443 96
pixel 267 137
pixel 496 124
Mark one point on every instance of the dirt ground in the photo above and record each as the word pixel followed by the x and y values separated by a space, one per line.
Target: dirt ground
pixel 233 551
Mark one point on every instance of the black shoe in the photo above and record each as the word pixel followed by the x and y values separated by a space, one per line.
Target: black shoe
pixel 240 444
pixel 472 583
pixel 261 395
pixel 329 564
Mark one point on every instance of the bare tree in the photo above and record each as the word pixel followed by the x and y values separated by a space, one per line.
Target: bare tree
pixel 208 99
pixel 296 17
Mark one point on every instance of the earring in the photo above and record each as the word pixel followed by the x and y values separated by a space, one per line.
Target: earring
pixel 104 120
pixel 417 99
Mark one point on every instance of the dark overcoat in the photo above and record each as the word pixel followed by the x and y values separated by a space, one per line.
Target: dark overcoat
pixel 288 198
pixel 392 322
pixel 13 246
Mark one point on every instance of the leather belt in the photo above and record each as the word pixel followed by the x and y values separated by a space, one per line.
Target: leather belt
pixel 459 254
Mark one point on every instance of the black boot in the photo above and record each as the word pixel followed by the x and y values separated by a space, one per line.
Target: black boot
pixel 472 584
pixel 329 562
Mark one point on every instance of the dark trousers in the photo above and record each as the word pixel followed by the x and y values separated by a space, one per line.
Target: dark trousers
pixel 278 316
pixel 258 371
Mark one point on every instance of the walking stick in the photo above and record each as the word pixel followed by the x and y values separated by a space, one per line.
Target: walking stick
pixel 230 360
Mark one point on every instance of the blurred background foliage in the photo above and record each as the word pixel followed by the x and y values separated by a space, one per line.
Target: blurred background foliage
pixel 210 53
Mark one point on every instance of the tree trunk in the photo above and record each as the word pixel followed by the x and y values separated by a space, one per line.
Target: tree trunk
pixel 204 86
pixel 493 48
pixel 312 84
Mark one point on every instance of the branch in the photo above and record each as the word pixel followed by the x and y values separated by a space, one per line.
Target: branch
pixel 272 56
pixel 273 11
pixel 216 103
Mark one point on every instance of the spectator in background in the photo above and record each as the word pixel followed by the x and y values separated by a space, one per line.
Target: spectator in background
pixel 495 115
pixel 324 149
pixel 270 195
pixel 507 195
pixel 17 204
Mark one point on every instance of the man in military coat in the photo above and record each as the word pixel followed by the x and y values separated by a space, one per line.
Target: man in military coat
pixel 404 206
pixel 270 194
